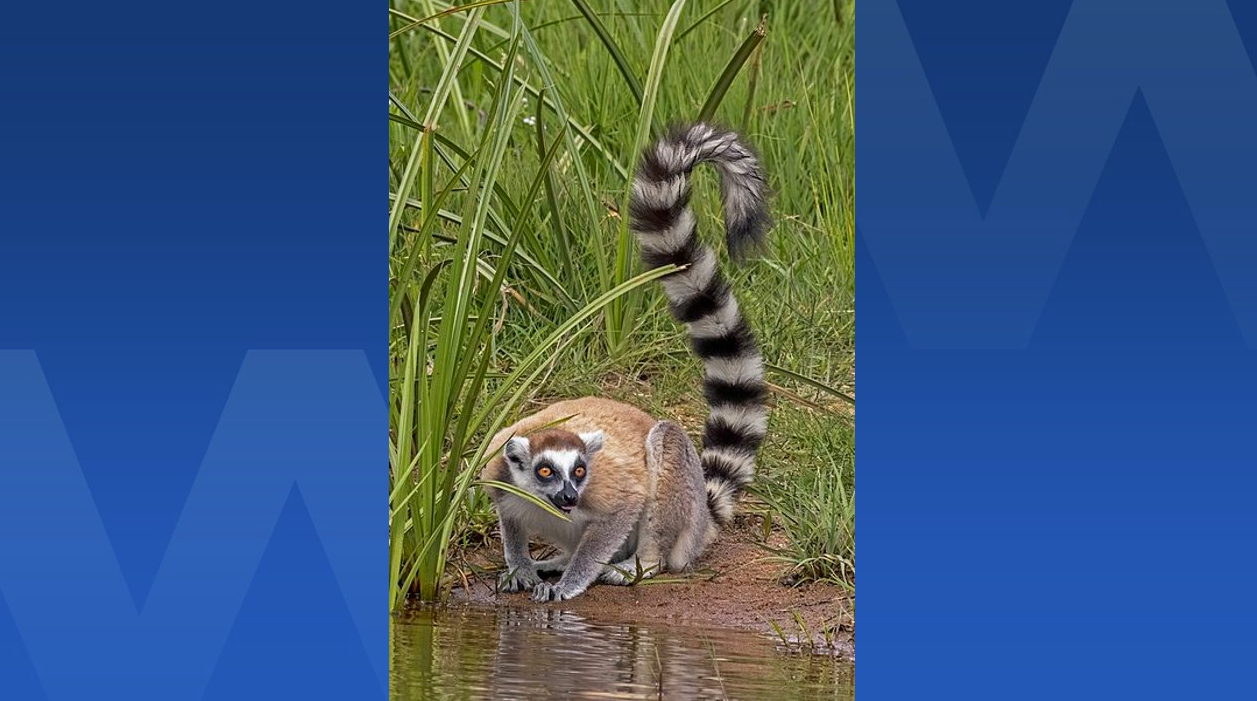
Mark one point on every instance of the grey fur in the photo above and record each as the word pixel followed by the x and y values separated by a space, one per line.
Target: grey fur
pixel 667 534
pixel 521 572
pixel 520 518
pixel 597 545
pixel 677 527
pixel 680 526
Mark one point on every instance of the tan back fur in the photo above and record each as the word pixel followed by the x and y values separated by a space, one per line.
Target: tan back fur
pixel 617 475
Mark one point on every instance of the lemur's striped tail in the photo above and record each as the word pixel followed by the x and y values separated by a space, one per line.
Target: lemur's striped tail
pixel 661 217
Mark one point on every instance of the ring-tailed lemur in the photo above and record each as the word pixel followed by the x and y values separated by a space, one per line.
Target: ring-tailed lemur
pixel 635 490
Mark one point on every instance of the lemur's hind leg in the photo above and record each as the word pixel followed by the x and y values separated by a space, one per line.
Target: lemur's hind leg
pixel 681 523
pixel 678 526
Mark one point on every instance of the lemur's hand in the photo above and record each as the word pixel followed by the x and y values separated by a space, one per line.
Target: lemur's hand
pixel 519 579
pixel 546 591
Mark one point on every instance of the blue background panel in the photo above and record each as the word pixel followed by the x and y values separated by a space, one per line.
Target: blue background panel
pixel 189 237
pixel 1057 263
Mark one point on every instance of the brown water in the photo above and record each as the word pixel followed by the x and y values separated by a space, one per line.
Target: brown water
pixel 537 653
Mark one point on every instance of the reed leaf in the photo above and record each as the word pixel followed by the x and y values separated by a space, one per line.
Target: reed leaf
pixel 442 91
pixel 447 11
pixel 622 315
pixel 731 70
pixel 698 22
pixel 617 56
pixel 527 496
pixel 817 384
pixel 552 200
pixel 553 103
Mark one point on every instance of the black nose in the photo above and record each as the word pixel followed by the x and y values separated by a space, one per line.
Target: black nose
pixel 565 498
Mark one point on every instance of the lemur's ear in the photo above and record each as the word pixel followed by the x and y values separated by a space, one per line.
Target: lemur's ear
pixel 593 441
pixel 516 452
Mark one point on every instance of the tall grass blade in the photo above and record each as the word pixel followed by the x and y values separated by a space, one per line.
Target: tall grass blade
pixel 527 496
pixel 622 315
pixel 445 215
pixel 752 83
pixel 817 384
pixel 617 56
pixel 448 11
pixel 456 60
pixel 731 70
pixel 531 366
pixel 425 230
pixel 440 94
pixel 585 187
pixel 552 200
pixel 455 338
pixel 548 98
pixel 698 22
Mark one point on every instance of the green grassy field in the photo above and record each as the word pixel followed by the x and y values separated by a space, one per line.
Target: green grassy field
pixel 506 238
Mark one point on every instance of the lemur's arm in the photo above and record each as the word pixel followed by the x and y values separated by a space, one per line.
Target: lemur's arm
pixel 521 572
pixel 597 547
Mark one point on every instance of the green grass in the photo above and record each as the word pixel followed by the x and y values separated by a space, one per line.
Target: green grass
pixel 506 237
pixel 809 495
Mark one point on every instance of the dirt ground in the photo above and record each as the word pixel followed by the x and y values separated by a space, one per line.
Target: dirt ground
pixel 733 586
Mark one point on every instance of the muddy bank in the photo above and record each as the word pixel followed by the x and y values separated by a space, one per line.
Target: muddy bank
pixel 734 586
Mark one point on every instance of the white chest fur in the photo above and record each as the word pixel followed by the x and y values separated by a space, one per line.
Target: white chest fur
pixel 544 525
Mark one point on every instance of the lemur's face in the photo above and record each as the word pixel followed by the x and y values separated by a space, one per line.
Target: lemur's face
pixel 553 465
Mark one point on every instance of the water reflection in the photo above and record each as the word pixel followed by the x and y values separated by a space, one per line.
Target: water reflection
pixel 527 653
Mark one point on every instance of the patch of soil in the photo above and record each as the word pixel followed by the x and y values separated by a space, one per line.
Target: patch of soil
pixel 733 586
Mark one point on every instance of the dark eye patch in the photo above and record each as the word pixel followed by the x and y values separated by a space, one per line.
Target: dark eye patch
pixel 545 470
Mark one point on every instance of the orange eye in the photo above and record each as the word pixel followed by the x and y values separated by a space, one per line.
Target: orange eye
pixel 544 472
pixel 579 472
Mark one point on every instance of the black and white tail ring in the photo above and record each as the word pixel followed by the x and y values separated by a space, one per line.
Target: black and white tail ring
pixel 699 296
